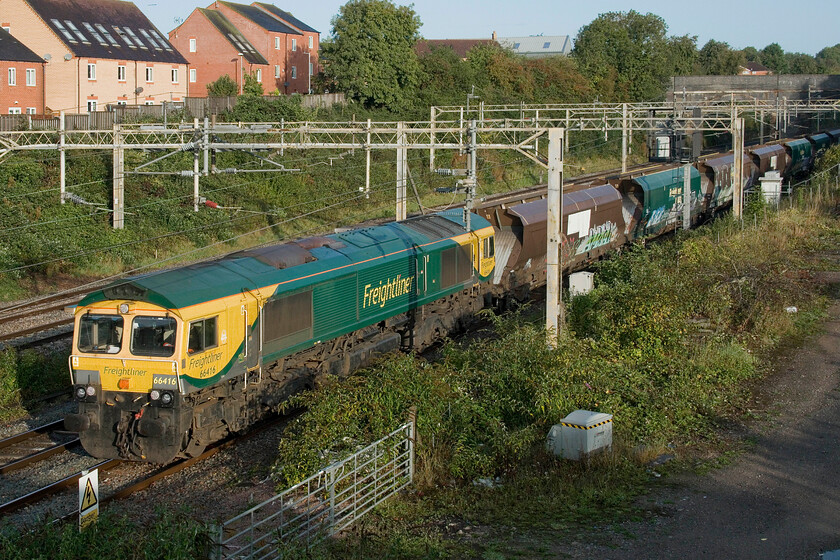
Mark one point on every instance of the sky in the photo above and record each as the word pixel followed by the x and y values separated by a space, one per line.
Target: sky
pixel 812 25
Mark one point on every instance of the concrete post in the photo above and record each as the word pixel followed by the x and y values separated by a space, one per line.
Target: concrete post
pixel 554 287
pixel 62 156
pixel 206 147
pixel 431 139
pixel 402 162
pixel 118 180
pixel 367 162
pixel 686 213
pixel 738 167
pixel 196 155
pixel 624 137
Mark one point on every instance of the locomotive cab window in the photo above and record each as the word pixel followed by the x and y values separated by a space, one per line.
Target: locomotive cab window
pixel 202 335
pixel 153 336
pixel 100 334
pixel 488 248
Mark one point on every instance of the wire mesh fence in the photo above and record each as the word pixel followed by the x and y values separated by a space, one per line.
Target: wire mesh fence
pixel 323 504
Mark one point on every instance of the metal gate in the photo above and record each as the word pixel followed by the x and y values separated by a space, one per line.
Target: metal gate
pixel 323 504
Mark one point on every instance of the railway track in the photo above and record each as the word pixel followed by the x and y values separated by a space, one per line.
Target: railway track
pixel 33 446
pixel 69 482
pixel 16 319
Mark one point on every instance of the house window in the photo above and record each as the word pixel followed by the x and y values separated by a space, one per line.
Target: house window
pixel 202 335
pixel 294 72
pixel 12 77
pixel 30 110
pixel 259 75
pixel 14 110
pixel 192 45
pixel 276 70
pixel 310 68
pixel 174 75
pixel 277 43
pixel 311 41
pixel 193 75
pixel 30 76
pixel 91 106
pixel 7 29
pixel 149 74
pixel 91 71
pixel 546 45
pixel 294 45
pixel 121 73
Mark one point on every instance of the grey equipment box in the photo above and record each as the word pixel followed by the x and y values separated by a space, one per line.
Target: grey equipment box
pixel 581 283
pixel 580 434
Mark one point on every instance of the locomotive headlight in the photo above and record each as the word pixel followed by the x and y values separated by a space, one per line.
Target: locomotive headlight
pixel 81 393
pixel 90 391
pixel 154 395
pixel 166 398
pixel 123 308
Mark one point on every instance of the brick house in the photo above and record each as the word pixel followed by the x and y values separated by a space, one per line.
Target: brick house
pixel 98 52
pixel 21 77
pixel 305 55
pixel 214 48
pixel 236 39
pixel 273 38
pixel 754 69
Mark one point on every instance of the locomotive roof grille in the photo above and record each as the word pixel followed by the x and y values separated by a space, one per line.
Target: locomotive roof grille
pixel 282 256
pixel 434 227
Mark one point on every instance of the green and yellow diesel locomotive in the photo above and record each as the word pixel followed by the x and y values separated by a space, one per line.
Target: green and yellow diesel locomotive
pixel 165 363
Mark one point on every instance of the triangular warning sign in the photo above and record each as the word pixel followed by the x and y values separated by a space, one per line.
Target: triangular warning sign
pixel 90 497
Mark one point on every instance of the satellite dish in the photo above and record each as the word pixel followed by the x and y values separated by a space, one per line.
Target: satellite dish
pixel 68 56
pixel 47 56
pixel 138 91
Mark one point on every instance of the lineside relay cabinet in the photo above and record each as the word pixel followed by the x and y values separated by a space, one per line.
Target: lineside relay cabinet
pixel 580 434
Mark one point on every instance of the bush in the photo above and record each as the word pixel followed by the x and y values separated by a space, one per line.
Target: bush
pixel 666 342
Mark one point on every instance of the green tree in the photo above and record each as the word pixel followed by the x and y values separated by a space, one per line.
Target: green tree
pixel 829 59
pixel 556 80
pixel 252 86
pixel 370 54
pixel 773 57
pixel 444 78
pixel 682 54
pixel 630 49
pixel 801 63
pixel 223 87
pixel 751 54
pixel 717 59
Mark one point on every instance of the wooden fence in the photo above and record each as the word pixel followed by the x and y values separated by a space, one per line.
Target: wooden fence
pixel 199 107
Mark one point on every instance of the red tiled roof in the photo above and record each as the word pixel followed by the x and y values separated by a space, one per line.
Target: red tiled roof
pixel 756 67
pixel 460 46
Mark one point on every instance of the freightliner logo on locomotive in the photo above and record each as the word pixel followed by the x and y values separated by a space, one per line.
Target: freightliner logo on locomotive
pixel 391 289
